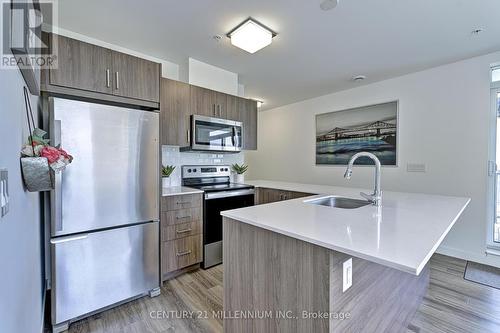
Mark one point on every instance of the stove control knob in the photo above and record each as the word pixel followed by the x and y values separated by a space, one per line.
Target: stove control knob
pixel 194 170
pixel 189 170
pixel 221 169
pixel 226 169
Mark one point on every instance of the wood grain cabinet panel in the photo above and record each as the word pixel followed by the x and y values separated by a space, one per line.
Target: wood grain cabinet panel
pixel 81 65
pixel 91 68
pixel 135 77
pixel 175 113
pixel 170 232
pixel 181 202
pixel 179 216
pixel 248 116
pixel 202 101
pixel 181 233
pixel 181 253
pixel 233 107
pixel 269 195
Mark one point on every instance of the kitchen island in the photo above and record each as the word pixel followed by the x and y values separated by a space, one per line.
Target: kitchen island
pixel 284 261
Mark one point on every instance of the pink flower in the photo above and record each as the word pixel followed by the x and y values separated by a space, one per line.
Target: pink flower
pixel 66 155
pixel 51 153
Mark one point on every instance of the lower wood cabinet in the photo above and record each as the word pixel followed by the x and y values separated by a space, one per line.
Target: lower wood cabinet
pixel 269 195
pixel 181 253
pixel 170 232
pixel 181 233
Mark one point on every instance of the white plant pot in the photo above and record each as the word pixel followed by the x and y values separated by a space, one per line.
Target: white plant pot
pixel 240 179
pixel 165 182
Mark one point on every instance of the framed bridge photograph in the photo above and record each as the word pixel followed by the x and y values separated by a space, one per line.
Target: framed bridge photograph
pixel 373 128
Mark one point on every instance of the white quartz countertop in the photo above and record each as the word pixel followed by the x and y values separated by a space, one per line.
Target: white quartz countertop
pixel 403 234
pixel 179 190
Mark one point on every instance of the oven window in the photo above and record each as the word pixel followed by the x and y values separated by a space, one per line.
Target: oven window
pixel 213 220
pixel 212 134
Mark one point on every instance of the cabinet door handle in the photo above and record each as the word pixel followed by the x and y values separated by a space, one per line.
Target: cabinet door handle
pixel 183 217
pixel 108 79
pixel 188 136
pixel 117 79
pixel 183 253
pixel 183 231
pixel 183 202
pixel 220 111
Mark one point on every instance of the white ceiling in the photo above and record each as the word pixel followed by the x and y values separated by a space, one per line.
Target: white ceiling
pixel 315 52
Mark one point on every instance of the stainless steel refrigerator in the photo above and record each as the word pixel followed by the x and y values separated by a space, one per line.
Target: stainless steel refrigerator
pixel 104 209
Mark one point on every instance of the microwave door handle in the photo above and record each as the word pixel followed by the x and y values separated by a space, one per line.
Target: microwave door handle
pixel 233 138
pixel 237 141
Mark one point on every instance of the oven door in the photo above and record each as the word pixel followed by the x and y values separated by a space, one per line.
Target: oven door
pixel 216 134
pixel 216 202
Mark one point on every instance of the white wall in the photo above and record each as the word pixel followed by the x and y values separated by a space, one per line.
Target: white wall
pixel 443 122
pixel 211 77
pixel 20 244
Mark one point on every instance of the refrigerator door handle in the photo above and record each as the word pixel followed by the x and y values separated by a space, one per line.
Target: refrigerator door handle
pixel 68 239
pixel 57 182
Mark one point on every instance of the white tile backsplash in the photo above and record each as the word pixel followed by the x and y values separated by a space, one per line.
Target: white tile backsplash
pixel 172 156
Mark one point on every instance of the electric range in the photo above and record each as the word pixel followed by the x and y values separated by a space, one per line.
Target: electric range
pixel 220 194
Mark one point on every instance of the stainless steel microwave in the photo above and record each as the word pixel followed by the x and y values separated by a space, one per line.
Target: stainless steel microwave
pixel 214 134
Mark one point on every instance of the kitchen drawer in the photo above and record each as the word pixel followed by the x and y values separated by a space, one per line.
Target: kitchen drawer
pixel 169 232
pixel 181 202
pixel 173 217
pixel 180 253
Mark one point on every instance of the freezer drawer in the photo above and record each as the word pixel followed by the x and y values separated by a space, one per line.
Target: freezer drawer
pixel 95 270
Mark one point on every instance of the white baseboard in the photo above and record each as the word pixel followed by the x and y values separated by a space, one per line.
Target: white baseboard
pixel 483 258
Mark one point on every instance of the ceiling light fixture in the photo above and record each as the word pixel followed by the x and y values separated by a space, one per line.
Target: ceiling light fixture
pixel 328 4
pixel 251 36
pixel 477 31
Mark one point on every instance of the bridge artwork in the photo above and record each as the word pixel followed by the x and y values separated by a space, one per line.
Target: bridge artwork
pixel 376 129
pixel 372 128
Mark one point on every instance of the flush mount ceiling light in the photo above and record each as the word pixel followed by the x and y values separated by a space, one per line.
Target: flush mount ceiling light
pixel 251 36
pixel 328 4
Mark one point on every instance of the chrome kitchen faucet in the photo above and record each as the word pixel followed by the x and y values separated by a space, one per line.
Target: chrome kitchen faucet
pixel 376 197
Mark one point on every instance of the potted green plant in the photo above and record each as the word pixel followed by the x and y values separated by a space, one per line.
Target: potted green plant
pixel 166 171
pixel 239 170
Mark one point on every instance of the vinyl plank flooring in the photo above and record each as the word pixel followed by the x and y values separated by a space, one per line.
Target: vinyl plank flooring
pixel 452 305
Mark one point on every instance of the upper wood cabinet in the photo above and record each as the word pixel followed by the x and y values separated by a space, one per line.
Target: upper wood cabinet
pixel 96 69
pixel 174 112
pixel 210 103
pixel 248 116
pixel 202 101
pixel 82 66
pixel 135 77
pixel 232 111
pixel 180 100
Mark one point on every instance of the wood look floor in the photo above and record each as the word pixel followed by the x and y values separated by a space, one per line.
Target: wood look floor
pixel 452 305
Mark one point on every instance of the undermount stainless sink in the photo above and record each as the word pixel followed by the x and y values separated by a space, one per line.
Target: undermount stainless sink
pixel 338 202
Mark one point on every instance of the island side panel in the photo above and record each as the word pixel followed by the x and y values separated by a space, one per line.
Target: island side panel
pixel 381 299
pixel 266 271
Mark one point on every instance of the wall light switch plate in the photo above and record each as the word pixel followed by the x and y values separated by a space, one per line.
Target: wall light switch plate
pixel 4 192
pixel 415 167
pixel 347 275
